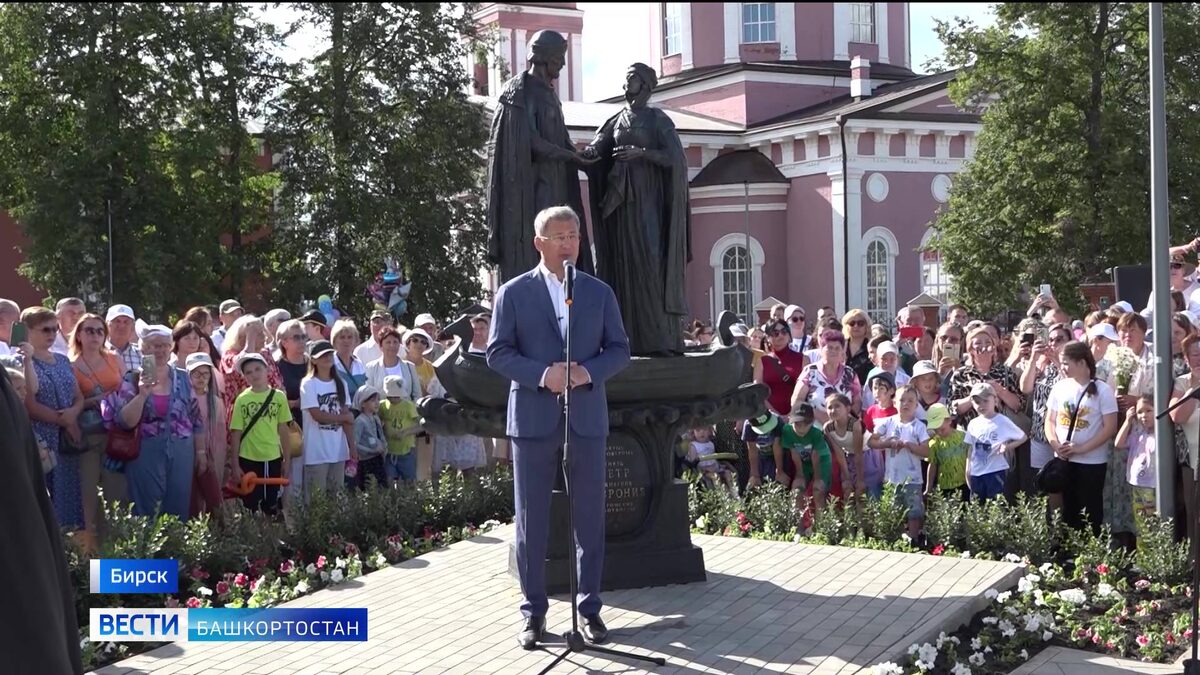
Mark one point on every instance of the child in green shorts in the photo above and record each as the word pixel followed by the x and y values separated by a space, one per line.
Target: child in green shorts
pixel 810 453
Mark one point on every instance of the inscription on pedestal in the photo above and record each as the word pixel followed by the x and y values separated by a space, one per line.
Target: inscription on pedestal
pixel 629 485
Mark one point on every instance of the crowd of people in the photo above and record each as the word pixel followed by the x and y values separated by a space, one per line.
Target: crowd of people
pixel 1059 406
pixel 174 419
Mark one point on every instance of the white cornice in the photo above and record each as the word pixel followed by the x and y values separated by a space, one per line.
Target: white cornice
pixel 860 164
pixel 526 9
pixel 739 190
pixel 738 208
pixel 740 76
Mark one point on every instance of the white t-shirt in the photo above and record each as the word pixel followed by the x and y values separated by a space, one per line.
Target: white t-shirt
pixel 902 466
pixel 323 443
pixel 983 437
pixel 60 344
pixel 1063 398
pixel 5 350
pixel 368 351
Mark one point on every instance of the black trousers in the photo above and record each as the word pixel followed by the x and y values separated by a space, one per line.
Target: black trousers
pixel 265 497
pixel 1083 498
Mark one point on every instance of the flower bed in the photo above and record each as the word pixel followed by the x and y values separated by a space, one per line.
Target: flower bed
pixel 1078 591
pixel 254 561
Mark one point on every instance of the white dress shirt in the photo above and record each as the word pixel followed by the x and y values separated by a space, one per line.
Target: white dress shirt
pixel 558 302
pixel 368 351
pixel 60 344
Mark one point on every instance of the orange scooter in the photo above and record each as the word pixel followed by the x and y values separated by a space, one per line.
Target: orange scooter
pixel 250 480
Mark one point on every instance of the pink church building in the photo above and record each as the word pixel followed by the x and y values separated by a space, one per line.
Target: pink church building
pixel 817 156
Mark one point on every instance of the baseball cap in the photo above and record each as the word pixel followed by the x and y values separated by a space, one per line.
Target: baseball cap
pixel 764 423
pixel 393 386
pixel 1123 306
pixel 197 360
pixel 882 375
pixel 119 310
pixel 886 347
pixel 230 305
pixel 803 413
pixel 936 415
pixel 739 330
pixel 787 313
pixel 1104 330
pixel 982 390
pixel 247 357
pixel 423 319
pixel 313 316
pixel 381 314
pixel 924 368
pixel 319 348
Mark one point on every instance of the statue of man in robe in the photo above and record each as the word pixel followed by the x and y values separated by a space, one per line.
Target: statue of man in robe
pixel 532 163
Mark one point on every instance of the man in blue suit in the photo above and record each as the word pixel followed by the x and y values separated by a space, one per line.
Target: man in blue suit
pixel 527 345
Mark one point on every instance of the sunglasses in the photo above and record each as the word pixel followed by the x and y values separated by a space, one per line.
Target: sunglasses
pixel 777 332
pixel 796 319
pixel 419 340
pixel 856 322
pixel 1176 266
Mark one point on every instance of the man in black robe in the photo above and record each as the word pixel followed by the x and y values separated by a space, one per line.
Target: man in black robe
pixel 532 164
pixel 38 628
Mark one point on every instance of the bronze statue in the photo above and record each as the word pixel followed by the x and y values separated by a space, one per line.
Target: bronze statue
pixel 639 199
pixel 532 164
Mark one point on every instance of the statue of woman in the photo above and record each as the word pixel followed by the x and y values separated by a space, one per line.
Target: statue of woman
pixel 639 199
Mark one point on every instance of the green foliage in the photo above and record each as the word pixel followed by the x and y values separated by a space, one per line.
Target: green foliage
pixel 1159 556
pixel 771 507
pixel 1058 189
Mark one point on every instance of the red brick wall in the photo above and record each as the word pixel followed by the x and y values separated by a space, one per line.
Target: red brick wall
pixel 13 286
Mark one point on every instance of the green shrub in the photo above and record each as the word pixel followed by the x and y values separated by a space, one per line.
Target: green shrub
pixel 986 526
pixel 886 518
pixel 1159 556
pixel 1031 533
pixel 944 522
pixel 771 508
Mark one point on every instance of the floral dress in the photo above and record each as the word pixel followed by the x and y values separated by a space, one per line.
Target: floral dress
pixel 1118 495
pixel 962 379
pixel 56 390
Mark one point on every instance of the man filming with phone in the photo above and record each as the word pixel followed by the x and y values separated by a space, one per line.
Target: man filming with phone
pixel 910 326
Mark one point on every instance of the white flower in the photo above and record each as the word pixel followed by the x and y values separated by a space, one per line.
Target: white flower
pixel 1032 624
pixel 927 653
pixel 1012 611
pixel 1007 629
pixel 912 650
pixel 987 650
pixel 888 668
pixel 976 659
pixel 83 643
pixel 955 640
pixel 990 620
pixel 797 539
pixel 1012 558
pixel 1075 596
pixel 311 569
pixel 976 644
pixel 991 594
pixel 907 539
pixel 1047 636
pixel 380 560
pixel 340 563
pixel 700 522
pixel 1039 598
pixel 1028 583
pixel 204 590
pixel 1003 597
pixel 923 666
pixel 301 587
pixel 1104 589
pixel 337 576
pixel 965 554
pixel 324 575
pixel 960 669
pixel 1024 654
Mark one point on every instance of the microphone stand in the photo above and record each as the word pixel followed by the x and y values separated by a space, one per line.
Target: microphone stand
pixel 573 637
pixel 1192 666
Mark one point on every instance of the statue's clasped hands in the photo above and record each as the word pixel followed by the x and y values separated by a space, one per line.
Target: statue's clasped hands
pixel 628 152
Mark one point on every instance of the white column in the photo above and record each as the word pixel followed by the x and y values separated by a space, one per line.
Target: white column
pixel 881 31
pixel 942 144
pixel 577 67
pixel 656 36
pixel 765 150
pixel 468 62
pixel 520 50
pixel 912 143
pixel 968 146
pixel 733 32
pixel 810 147
pixel 504 48
pixel 835 143
pixel 846 212
pixel 882 142
pixel 853 251
pixel 493 74
pixel 685 29
pixel 785 29
pixel 787 154
pixel 564 76
pixel 707 154
pixel 907 38
pixel 841 31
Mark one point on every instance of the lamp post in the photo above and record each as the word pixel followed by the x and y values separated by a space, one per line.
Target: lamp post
pixel 1160 259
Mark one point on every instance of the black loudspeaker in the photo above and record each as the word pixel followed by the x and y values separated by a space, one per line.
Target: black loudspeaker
pixel 1134 283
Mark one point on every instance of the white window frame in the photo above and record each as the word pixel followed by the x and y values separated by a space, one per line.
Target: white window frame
pixel 760 30
pixel 716 261
pixel 672 28
pixel 862 22
pixel 944 281
pixel 885 238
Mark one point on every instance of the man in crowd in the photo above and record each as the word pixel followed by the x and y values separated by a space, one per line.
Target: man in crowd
pixel 958 314
pixel 231 310
pixel 427 323
pixel 10 313
pixel 797 320
pixel 908 317
pixel 369 351
pixel 121 340
pixel 314 325
pixel 68 310
pixel 480 325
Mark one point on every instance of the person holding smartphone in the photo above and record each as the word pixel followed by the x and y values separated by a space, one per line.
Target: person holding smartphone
pixel 10 317
pixel 1038 379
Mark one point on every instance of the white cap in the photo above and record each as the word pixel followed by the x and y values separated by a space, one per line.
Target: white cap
pixel 886 347
pixel 279 315
pixel 244 357
pixel 924 368
pixel 120 310
pixel 792 308
pixel 1124 306
pixel 419 332
pixel 1104 330
pixel 393 386
pixel 147 330
pixel 197 360
pixel 423 319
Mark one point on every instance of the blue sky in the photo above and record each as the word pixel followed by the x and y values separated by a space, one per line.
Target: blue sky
pixel 616 35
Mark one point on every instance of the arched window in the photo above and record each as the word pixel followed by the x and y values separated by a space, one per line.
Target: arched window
pixel 735 268
pixel 879 267
pixel 935 282
pixel 735 272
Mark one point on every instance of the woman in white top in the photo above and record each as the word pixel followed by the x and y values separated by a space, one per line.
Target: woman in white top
pixel 390 363
pixel 349 367
pixel 325 400
pixel 1081 420
pixel 1188 421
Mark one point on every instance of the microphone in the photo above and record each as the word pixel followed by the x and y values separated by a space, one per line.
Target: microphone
pixel 569 280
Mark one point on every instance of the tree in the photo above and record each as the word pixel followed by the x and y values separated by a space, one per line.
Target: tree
pixel 381 156
pixel 1058 189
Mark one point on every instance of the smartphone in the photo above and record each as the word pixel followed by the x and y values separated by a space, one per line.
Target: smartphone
pixel 952 351
pixel 19 334
pixel 150 366
pixel 911 332
pixel 1027 339
pixel 1044 291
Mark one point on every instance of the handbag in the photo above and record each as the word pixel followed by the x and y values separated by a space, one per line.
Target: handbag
pixel 65 445
pixel 778 365
pixel 295 440
pixel 122 445
pixel 1052 477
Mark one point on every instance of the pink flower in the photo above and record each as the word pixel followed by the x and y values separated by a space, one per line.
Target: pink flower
pixel 1083 632
pixel 222 588
pixel 1095 638
pixel 1155 605
pixel 198 574
pixel 1169 638
pixel 1142 640
pixel 286 567
pixel 1141 584
pixel 255 584
pixel 1187 634
pixel 171 602
pixel 193 602
pixel 320 562
pixel 1110 645
pixel 240 580
pixel 938 550
pixel 1102 569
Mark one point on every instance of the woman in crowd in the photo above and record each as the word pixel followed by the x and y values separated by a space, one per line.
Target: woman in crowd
pixel 781 369
pixel 348 366
pixel 245 335
pixel 1188 424
pixel 391 364
pixel 1181 327
pixel 1101 336
pixel 982 366
pixel 203 321
pixel 328 423
pixel 271 322
pixel 948 350
pixel 1118 497
pixel 98 374
pixel 856 327
pixel 1038 379
pixel 417 344
pixel 1081 421
pixel 293 368
pixel 701 334
pixel 829 375
pixel 55 403
pixel 209 477
pixel 173 442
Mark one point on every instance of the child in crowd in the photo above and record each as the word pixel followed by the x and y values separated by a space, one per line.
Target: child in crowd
pixel 810 455
pixel 764 449
pixel 883 390
pixel 887 360
pixel 259 427
pixel 906 441
pixel 948 448
pixel 328 423
pixel 1137 434
pixel 49 459
pixel 844 433
pixel 369 437
pixel 401 423
pixel 992 438
pixel 700 445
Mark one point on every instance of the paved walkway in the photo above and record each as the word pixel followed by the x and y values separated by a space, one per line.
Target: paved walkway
pixel 1066 661
pixel 767 607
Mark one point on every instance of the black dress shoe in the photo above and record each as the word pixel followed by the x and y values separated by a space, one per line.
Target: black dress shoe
pixel 594 630
pixel 532 634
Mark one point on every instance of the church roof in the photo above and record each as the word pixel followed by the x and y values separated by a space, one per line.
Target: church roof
pixel 580 115
pixel 739 166
pixel 879 71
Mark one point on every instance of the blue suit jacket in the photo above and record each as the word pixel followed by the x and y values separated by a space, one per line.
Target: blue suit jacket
pixel 525 340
